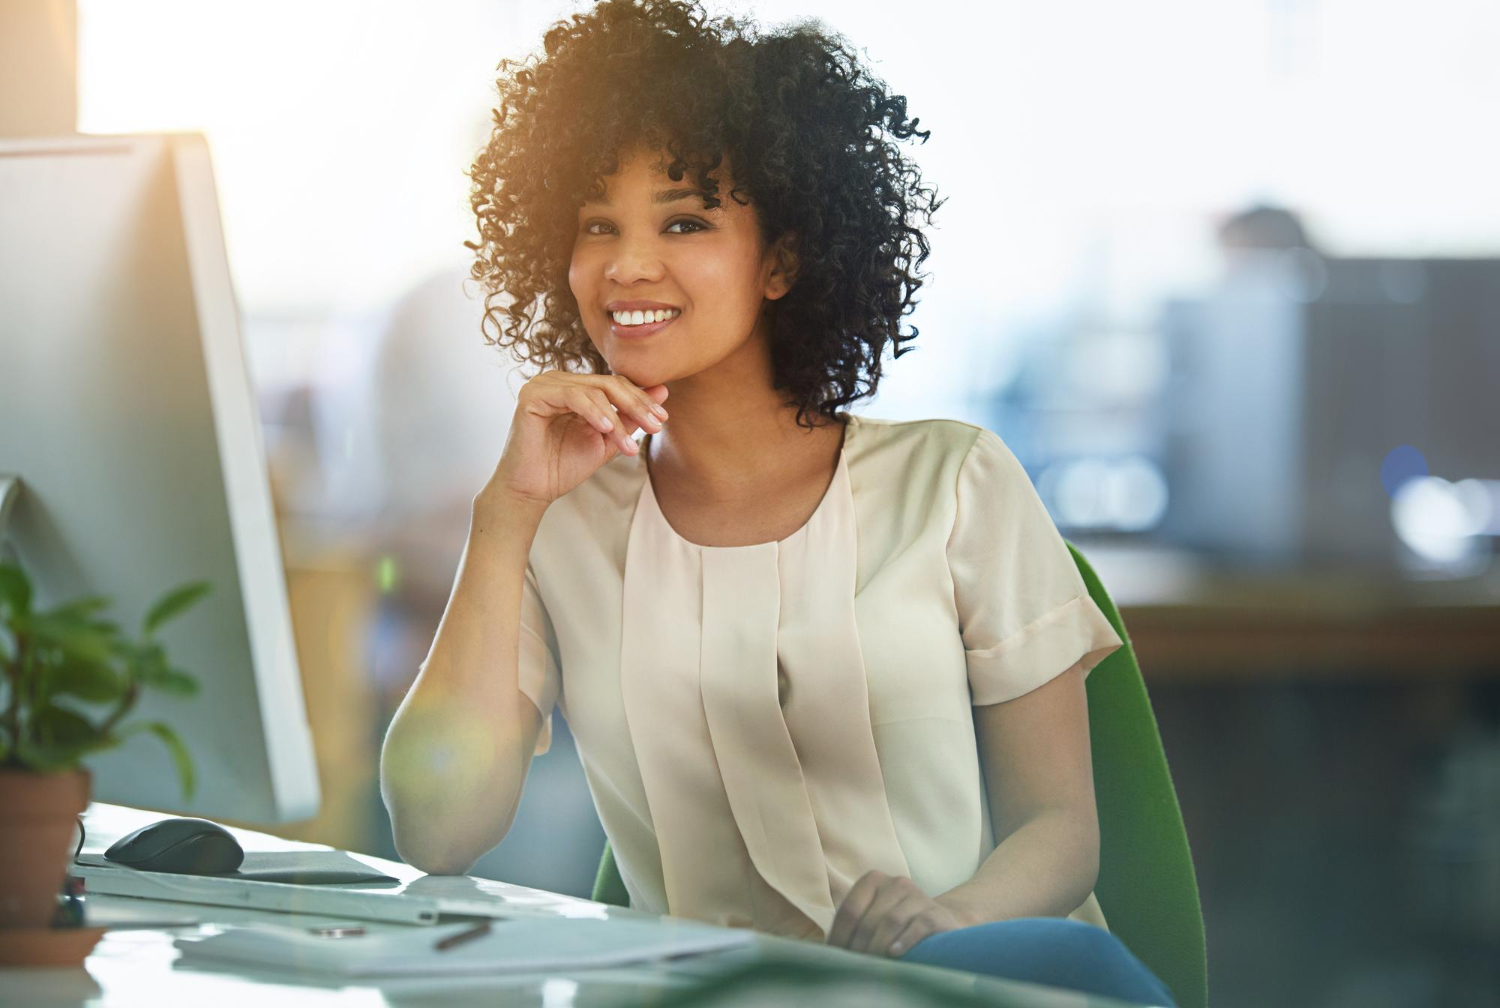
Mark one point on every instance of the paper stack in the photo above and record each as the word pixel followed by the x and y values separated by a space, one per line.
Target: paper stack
pixel 536 943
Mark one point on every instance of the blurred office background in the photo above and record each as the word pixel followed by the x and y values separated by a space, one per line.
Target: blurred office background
pixel 1226 278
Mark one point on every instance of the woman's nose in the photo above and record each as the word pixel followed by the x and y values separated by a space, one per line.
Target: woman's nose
pixel 633 259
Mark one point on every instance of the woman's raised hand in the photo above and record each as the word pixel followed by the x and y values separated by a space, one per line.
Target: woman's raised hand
pixel 566 426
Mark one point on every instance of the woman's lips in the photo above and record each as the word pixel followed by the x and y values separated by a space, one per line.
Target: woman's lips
pixel 638 331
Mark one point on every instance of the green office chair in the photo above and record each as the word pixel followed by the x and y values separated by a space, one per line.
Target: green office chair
pixel 1146 887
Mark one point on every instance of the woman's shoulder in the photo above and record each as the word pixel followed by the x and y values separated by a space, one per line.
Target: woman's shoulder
pixel 940 441
pixel 904 468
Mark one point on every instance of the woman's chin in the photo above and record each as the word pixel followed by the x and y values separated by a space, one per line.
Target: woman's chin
pixel 643 377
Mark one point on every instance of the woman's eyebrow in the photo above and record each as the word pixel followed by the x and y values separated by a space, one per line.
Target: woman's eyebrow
pixel 662 196
pixel 673 195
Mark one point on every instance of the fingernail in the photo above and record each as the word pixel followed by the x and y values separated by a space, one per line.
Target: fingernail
pixel 659 412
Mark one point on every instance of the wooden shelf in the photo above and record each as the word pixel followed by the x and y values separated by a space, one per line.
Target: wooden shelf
pixel 1190 622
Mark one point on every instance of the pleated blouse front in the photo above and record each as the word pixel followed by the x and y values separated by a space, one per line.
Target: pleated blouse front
pixel 761 725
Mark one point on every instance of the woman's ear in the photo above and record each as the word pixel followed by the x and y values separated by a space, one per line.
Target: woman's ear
pixel 785 263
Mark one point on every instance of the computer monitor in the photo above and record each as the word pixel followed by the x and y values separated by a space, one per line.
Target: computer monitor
pixel 1286 401
pixel 126 412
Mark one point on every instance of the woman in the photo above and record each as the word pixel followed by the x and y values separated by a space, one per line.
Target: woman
pixel 788 640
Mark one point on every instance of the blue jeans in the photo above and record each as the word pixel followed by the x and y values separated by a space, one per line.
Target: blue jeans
pixel 1046 950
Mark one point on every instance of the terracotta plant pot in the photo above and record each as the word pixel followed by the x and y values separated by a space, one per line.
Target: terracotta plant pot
pixel 40 812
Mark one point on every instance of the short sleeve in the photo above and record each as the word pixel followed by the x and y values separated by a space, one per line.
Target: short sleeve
pixel 537 666
pixel 1025 614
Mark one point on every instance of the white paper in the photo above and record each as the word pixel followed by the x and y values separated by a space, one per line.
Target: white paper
pixel 535 943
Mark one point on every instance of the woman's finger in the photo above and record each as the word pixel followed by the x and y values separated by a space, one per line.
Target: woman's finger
pixel 628 398
pixel 917 927
pixel 855 901
pixel 652 411
pixel 894 921
pixel 621 427
pixel 890 895
pixel 602 415
pixel 583 403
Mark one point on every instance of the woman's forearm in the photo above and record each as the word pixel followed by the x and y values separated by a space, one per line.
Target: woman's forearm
pixel 1045 868
pixel 457 751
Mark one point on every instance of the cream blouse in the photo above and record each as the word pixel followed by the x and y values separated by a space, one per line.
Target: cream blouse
pixel 761 725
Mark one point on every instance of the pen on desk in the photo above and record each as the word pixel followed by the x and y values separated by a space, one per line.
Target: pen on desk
pixel 338 932
pixel 482 928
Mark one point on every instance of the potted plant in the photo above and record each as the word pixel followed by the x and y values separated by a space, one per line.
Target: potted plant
pixel 53 661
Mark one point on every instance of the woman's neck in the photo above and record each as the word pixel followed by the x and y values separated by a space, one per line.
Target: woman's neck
pixel 717 456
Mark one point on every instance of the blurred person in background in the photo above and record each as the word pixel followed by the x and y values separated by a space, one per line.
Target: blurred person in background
pixel 439 405
pixel 1262 226
pixel 1268 243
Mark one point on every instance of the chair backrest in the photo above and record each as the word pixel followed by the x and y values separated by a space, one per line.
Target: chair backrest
pixel 1147 887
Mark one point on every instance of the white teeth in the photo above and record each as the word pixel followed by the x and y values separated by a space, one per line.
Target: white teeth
pixel 643 317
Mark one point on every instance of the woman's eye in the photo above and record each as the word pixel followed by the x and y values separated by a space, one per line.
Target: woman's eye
pixel 692 225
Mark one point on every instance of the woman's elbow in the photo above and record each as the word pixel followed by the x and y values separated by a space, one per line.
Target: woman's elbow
pixel 427 855
pixel 1087 858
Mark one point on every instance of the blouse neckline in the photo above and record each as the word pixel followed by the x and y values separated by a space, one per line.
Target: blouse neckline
pixel 839 482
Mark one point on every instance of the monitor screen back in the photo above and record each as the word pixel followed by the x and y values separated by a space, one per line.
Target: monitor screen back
pixel 126 411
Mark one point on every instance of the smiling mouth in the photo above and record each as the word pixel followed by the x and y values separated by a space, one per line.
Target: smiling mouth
pixel 626 319
pixel 627 331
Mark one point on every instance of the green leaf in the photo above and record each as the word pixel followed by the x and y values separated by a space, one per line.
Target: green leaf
pixel 92 681
pixel 79 638
pixel 174 746
pixel 15 589
pixel 148 662
pixel 80 608
pixel 174 681
pixel 62 728
pixel 173 603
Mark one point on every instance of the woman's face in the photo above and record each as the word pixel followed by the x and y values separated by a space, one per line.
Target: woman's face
pixel 650 245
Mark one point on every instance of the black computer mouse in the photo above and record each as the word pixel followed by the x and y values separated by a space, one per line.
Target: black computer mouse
pixel 185 846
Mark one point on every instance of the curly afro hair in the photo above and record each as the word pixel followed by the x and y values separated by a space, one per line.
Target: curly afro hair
pixel 802 124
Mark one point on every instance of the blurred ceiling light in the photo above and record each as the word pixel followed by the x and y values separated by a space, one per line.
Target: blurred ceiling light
pixel 1079 490
pixel 1432 519
pixel 1481 499
pixel 1137 494
pixel 1128 494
